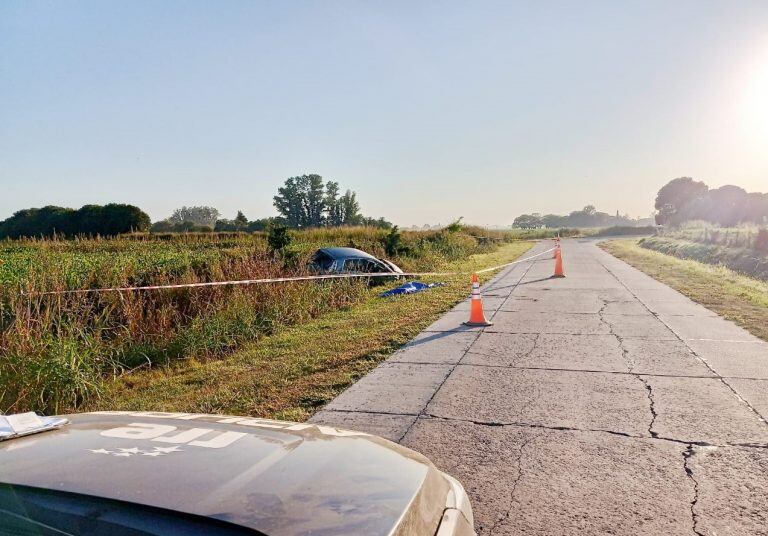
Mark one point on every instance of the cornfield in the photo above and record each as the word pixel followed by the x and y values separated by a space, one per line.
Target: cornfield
pixel 58 349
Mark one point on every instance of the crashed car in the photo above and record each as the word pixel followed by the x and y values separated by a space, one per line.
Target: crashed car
pixel 148 473
pixel 350 261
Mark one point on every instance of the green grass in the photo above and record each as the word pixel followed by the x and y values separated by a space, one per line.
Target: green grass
pixel 289 374
pixel 58 349
pixel 745 236
pixel 736 297
pixel 750 262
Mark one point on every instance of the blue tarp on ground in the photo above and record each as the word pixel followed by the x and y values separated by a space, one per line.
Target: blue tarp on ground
pixel 409 288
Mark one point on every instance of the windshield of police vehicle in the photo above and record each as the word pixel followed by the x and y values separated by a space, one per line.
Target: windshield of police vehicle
pixel 26 511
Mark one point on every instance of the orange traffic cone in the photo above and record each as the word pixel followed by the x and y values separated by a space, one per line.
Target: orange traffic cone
pixel 558 263
pixel 476 314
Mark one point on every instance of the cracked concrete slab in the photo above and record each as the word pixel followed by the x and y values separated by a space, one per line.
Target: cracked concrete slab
pixel 663 357
pixel 446 347
pixel 732 498
pixel 392 427
pixel 755 392
pixel 553 482
pixel 593 401
pixel 625 308
pixel 571 283
pixel 483 458
pixel 679 307
pixel 402 388
pixel 500 349
pixel 556 293
pixel 532 322
pixel 574 413
pixel 577 352
pixel 706 327
pixel 703 410
pixel 734 359
pixel 665 294
pixel 645 327
pixel 554 302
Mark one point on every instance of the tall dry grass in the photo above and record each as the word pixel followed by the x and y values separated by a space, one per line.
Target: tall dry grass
pixel 748 236
pixel 58 349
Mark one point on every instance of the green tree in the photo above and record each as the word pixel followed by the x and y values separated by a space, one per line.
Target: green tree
pixel 333 204
pixel 379 223
pixel 315 201
pixel 349 209
pixel 304 201
pixel 264 224
pixel 108 220
pixel 120 218
pixel 289 202
pixel 528 221
pixel 198 216
pixel 301 201
pixel 241 222
pixel 674 195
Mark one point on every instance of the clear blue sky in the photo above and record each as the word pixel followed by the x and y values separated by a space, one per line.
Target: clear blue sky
pixel 429 110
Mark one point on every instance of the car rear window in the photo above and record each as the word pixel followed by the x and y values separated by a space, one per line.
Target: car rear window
pixel 322 261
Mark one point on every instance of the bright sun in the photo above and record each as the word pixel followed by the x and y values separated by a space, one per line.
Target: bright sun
pixel 756 99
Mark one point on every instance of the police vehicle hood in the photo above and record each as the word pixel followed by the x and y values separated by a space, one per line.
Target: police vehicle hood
pixel 276 477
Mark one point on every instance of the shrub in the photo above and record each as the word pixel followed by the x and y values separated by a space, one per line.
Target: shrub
pixel 393 243
pixel 455 226
pixel 278 239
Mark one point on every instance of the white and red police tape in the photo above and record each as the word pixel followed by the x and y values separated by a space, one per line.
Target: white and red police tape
pixel 279 280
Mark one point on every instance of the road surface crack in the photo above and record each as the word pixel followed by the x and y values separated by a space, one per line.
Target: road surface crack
pixel 519 424
pixel 467 351
pixel 688 453
pixel 513 490
pixel 685 342
pixel 630 368
pixel 652 405
pixel 657 437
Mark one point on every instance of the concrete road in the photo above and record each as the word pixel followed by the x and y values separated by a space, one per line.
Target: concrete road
pixel 602 403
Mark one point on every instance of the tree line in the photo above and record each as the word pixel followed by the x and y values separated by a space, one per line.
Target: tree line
pixel 305 201
pixel 106 220
pixel 685 199
pixel 302 202
pixel 589 216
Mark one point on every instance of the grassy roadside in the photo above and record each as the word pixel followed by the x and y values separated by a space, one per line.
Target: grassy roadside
pixel 736 297
pixel 745 261
pixel 59 351
pixel 291 373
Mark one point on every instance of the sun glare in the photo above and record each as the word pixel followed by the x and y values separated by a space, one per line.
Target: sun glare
pixel 756 99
